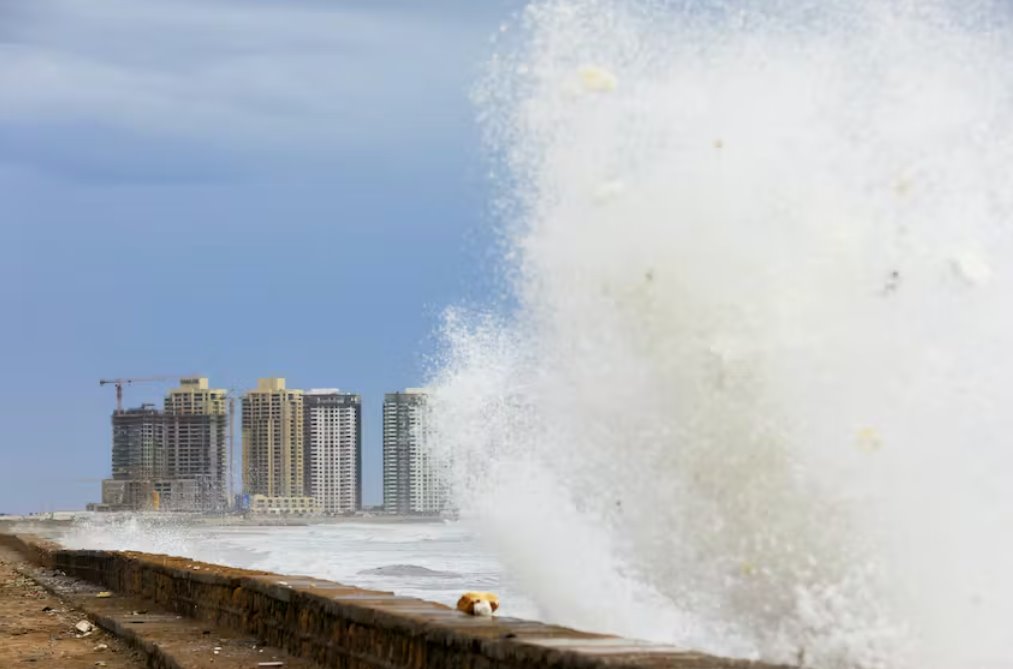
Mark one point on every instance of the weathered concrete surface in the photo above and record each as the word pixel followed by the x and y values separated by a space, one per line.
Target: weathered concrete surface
pixel 340 626
pixel 139 634
pixel 37 628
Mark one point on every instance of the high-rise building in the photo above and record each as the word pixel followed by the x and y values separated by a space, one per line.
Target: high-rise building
pixel 333 442
pixel 411 484
pixel 138 443
pixel 137 458
pixel 273 453
pixel 172 460
pixel 196 447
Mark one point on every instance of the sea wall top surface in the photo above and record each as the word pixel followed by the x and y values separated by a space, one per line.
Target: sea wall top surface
pixel 337 625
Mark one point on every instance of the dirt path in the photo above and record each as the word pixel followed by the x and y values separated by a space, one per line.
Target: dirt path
pixel 37 629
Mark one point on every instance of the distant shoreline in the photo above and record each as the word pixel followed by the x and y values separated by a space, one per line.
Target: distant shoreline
pixel 155 518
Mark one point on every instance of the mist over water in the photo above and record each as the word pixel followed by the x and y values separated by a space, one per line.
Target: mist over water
pixel 432 560
pixel 754 397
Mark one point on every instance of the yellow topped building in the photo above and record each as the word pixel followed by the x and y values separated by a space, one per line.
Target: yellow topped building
pixel 273 458
pixel 196 446
pixel 195 398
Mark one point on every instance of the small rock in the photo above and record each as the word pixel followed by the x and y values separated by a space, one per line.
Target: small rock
pixel 84 627
pixel 47 609
pixel 102 646
pixel 103 595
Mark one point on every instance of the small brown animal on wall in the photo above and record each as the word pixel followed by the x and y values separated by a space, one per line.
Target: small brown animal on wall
pixel 478 603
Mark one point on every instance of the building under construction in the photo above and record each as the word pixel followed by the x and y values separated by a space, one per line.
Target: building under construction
pixel 196 447
pixel 138 449
pixel 171 460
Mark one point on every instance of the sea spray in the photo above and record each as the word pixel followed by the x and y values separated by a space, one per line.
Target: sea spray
pixel 753 395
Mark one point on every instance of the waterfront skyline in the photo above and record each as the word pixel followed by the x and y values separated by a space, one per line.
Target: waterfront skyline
pixel 300 451
pixel 136 238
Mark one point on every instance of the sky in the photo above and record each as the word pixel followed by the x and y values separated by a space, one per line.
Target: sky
pixel 233 188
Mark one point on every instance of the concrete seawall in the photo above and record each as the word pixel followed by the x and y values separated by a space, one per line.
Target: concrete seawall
pixel 335 625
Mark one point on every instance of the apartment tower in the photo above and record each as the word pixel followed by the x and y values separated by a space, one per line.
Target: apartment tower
pixel 410 481
pixel 333 441
pixel 273 446
pixel 196 443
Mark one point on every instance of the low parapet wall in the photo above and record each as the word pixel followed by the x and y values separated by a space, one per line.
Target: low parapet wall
pixel 39 551
pixel 341 626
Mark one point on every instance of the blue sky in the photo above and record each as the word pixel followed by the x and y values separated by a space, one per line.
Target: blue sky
pixel 237 188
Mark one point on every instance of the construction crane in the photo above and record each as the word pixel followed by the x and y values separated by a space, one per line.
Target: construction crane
pixel 119 383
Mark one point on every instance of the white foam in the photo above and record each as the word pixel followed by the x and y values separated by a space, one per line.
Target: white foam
pixel 755 401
